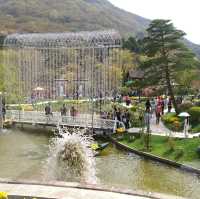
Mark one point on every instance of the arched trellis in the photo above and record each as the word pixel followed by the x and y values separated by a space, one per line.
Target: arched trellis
pixel 80 65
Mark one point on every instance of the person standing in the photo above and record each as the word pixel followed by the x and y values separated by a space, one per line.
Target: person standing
pixel 148 106
pixel 48 112
pixel 73 111
pixel 63 110
pixel 118 115
pixel 127 116
pixel 169 105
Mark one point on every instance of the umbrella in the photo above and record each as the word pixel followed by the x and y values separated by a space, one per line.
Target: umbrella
pixel 129 83
pixel 184 114
pixel 38 89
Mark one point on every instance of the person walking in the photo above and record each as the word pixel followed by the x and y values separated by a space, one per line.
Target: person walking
pixel 153 106
pixel 162 106
pixel 158 113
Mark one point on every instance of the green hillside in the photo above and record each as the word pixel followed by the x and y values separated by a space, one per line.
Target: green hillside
pixel 66 15
pixel 70 15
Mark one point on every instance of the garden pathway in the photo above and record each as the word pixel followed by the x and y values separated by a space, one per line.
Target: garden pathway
pixel 162 130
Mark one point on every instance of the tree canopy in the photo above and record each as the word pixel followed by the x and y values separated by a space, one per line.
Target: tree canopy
pixel 166 55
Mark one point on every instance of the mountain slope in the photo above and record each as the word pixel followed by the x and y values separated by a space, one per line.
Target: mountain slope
pixel 70 15
pixel 66 15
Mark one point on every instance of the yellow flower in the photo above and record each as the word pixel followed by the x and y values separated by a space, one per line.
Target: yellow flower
pixel 3 195
pixel 94 146
pixel 120 130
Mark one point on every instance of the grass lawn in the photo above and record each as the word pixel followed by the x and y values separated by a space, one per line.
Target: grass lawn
pixel 179 150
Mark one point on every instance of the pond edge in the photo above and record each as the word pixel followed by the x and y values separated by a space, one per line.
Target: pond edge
pixel 150 156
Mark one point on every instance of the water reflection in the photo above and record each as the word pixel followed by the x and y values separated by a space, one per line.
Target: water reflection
pixel 131 171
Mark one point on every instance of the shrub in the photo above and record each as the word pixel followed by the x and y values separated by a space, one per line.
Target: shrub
pixel 198 151
pixel 196 129
pixel 171 144
pixel 197 103
pixel 185 106
pixel 131 138
pixel 195 114
pixel 179 153
pixel 133 108
pixel 125 90
pixel 172 122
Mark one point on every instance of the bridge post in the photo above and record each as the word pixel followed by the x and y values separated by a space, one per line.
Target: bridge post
pixel 1 111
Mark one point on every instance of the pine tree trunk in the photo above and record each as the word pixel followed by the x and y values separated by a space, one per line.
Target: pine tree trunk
pixel 170 89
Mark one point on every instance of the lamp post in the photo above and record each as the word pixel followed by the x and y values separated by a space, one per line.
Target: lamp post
pixel 1 111
pixel 147 118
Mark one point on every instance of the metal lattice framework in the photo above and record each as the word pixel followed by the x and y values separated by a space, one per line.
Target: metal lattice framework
pixel 69 65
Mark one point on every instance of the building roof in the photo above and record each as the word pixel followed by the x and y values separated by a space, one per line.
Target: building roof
pixel 68 39
pixel 136 74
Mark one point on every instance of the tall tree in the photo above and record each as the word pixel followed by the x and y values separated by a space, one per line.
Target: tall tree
pixel 132 44
pixel 186 78
pixel 167 55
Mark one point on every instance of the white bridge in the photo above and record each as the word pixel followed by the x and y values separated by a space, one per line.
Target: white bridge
pixel 80 121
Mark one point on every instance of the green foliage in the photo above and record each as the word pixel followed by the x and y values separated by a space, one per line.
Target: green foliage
pixel 196 129
pixel 179 152
pixel 171 144
pixel 172 122
pixel 67 15
pixel 198 151
pixel 185 78
pixel 137 117
pixel 184 107
pixel 125 90
pixel 133 108
pixel 167 55
pixel 182 150
pixel 195 114
pixel 132 44
pixel 2 71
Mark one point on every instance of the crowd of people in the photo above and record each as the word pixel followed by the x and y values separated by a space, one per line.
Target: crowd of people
pixel 63 111
pixel 121 115
pixel 157 106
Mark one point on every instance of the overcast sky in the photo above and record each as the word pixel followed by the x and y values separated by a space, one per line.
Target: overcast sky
pixel 185 14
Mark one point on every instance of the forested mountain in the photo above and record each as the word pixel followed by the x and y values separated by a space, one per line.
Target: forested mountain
pixel 66 15
pixel 69 15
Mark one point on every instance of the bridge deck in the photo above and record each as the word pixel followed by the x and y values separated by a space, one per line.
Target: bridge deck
pixel 80 121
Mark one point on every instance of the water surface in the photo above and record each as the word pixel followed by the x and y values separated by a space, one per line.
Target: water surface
pixel 23 155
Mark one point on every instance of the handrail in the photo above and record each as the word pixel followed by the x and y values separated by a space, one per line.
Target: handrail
pixel 84 120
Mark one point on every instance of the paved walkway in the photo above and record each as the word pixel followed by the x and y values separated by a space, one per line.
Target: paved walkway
pixel 63 190
pixel 162 130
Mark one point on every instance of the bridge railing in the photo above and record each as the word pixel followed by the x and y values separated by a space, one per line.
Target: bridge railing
pixel 86 120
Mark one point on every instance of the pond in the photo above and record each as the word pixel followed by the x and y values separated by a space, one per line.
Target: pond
pixel 23 156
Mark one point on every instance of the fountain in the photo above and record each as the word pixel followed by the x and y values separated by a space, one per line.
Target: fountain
pixel 70 157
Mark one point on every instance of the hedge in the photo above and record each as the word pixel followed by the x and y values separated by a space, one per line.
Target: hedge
pixel 195 114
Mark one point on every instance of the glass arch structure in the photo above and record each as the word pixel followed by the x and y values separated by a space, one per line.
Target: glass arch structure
pixel 51 66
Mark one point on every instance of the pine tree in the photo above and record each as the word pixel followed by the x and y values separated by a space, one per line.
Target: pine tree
pixel 166 54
